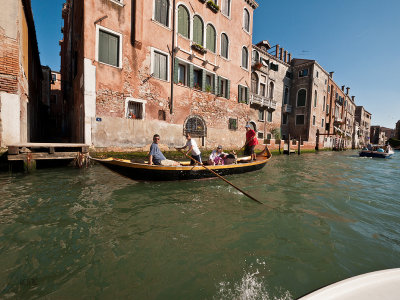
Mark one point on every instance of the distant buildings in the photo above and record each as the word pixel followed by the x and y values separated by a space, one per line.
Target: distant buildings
pixel 363 118
pixel 397 130
pixel 20 75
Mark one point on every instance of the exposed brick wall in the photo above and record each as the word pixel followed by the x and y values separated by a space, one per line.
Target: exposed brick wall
pixel 110 103
pixel 9 64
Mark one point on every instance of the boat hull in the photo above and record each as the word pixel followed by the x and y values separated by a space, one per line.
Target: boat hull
pixel 170 173
pixel 375 154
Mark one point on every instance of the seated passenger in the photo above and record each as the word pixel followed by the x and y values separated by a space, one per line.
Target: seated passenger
pixel 216 157
pixel 156 157
pixel 230 158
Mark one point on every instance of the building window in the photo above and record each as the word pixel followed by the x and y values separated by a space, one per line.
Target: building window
pixel 161 10
pixel 245 58
pixel 109 48
pixel 246 20
pixel 160 65
pixel 313 120
pixel 269 136
pixel 53 78
pixel 226 7
pixel 197 79
pixel 274 67
pixel 269 116
pixel 299 119
pixel 262 89
pixel 182 74
pixel 161 115
pixel 301 98
pixel 289 75
pixel 254 83
pixel 260 135
pixel 303 73
pixel 271 90
pixel 183 21
pixel 261 115
pixel 135 109
pixel 322 123
pixel 327 108
pixel 232 124
pixel 198 30
pixel 243 96
pixel 316 74
pixel 223 87
pixel 255 57
pixel 286 96
pixel 224 46
pixel 210 38
pixel 209 83
pixel 324 104
pixel 196 126
pixel 284 119
pixel 315 98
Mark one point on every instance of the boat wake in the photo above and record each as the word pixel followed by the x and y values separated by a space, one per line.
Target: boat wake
pixel 251 287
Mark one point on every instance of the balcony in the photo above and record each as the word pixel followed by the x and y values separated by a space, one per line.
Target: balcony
pixel 287 108
pixel 262 101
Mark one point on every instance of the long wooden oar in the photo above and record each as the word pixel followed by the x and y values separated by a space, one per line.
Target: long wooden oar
pixel 228 182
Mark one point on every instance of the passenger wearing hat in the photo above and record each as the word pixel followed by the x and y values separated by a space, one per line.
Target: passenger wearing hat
pixel 216 157
pixel 251 142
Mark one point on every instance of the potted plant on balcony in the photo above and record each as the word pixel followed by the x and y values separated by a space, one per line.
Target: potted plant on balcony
pixel 197 86
pixel 257 65
pixel 199 48
pixel 214 7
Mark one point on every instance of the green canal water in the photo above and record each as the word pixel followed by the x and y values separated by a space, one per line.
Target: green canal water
pixel 91 234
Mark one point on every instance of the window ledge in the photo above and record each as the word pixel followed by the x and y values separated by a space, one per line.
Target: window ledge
pixel 106 64
pixel 248 32
pixel 160 79
pixel 120 3
pixel 227 59
pixel 228 17
pixel 247 70
pixel 162 25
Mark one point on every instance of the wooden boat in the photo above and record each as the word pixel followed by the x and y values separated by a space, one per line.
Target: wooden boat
pixel 372 286
pixel 374 152
pixel 146 172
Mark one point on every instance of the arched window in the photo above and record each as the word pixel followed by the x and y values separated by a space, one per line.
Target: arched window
pixel 226 7
pixel 210 38
pixel 196 126
pixel 224 46
pixel 183 21
pixel 246 20
pixel 255 57
pixel 161 11
pixel 198 30
pixel 245 58
pixel 301 97
pixel 315 98
pixel 271 89
pixel 254 83
pixel 286 96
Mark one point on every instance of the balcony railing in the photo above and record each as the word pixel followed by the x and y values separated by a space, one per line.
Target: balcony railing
pixel 262 101
pixel 287 108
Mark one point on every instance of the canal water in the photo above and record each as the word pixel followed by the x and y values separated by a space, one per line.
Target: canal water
pixel 91 234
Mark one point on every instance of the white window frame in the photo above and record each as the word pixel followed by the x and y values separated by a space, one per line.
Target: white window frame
pixel 128 99
pixel 229 12
pixel 204 30
pixel 244 29
pixel 295 120
pixel 216 37
pixel 220 46
pixel 169 15
pixel 177 21
pixel 98 28
pixel 120 3
pixel 168 63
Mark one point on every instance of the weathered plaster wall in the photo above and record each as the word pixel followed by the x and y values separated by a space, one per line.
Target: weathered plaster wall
pixel 10 119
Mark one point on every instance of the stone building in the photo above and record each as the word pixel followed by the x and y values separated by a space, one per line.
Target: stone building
pixel 58 111
pixel 20 75
pixel 378 136
pixel 135 68
pixel 270 86
pixel 306 109
pixel 397 131
pixel 363 118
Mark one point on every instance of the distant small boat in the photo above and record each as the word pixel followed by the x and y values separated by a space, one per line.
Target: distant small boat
pixel 379 285
pixel 377 151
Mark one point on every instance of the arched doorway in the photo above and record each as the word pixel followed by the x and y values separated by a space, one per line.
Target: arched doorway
pixel 196 126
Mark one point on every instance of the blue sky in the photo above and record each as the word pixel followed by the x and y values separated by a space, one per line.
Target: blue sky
pixel 357 39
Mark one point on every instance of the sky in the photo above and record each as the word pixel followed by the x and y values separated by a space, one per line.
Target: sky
pixel 357 39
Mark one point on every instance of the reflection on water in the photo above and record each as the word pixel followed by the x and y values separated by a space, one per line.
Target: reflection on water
pixel 94 234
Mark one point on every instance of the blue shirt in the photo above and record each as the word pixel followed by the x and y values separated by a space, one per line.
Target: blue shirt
pixel 156 153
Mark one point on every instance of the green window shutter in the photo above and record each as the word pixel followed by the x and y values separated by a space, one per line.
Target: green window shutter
pixel 198 30
pixel 113 46
pixel 176 70
pixel 183 21
pixel 247 95
pixel 191 76
pixel 219 86
pixel 216 85
pixel 210 38
pixel 228 89
pixel 157 12
pixel 203 80
pixel 103 47
pixel 239 93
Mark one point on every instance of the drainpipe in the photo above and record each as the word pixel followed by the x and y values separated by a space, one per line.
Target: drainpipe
pixel 171 104
pixel 133 23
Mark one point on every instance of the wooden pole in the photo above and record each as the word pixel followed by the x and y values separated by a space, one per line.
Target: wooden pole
pixel 298 146
pixel 280 147
pixel 317 143
pixel 288 146
pixel 228 182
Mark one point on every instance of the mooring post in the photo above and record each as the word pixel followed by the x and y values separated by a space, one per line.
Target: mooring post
pixel 29 163
pixel 298 146
pixel 280 146
pixel 317 143
pixel 288 146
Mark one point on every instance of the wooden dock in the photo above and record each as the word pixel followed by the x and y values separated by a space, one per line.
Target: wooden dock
pixel 29 153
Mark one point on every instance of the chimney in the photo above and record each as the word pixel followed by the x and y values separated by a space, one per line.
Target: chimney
pixel 277 50
pixel 347 90
pixel 290 57
pixel 331 74
pixel 352 98
pixel 343 88
pixel 285 56
pixel 281 54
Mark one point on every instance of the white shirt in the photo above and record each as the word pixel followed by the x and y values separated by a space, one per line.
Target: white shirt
pixel 195 149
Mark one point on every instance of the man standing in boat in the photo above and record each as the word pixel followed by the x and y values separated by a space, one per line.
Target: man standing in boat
pixel 155 155
pixel 193 148
pixel 251 142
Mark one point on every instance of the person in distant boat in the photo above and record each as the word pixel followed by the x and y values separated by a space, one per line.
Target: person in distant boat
pixel 156 157
pixel 216 157
pixel 192 148
pixel 251 142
